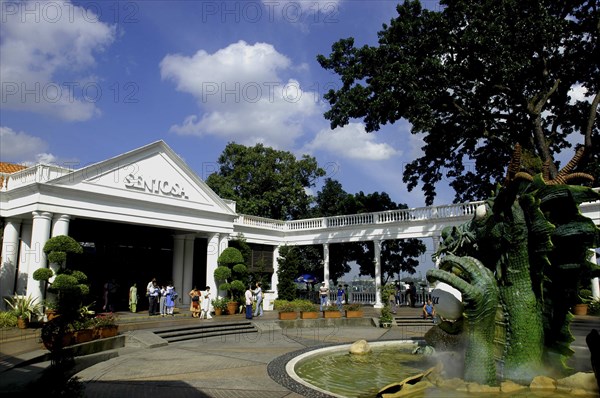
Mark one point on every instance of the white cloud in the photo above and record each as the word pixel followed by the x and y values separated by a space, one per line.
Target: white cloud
pixel 242 94
pixel 19 146
pixel 353 142
pixel 45 47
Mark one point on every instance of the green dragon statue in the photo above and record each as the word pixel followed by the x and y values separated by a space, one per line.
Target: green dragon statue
pixel 523 256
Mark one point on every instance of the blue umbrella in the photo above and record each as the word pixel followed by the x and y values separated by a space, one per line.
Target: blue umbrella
pixel 307 278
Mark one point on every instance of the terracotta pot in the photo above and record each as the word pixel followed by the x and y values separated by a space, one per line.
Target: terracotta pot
pixel 84 335
pixel 218 311
pixel 332 314
pixel 286 316
pixel 309 314
pixel 51 314
pixel 232 307
pixel 58 341
pixel 580 309
pixel 22 323
pixel 354 314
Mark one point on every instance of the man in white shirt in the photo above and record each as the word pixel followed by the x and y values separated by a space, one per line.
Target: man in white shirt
pixel 323 293
pixel 248 303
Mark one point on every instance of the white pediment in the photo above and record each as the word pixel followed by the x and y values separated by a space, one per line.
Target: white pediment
pixel 151 173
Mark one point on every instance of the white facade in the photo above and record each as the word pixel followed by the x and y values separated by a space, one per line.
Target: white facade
pixel 153 188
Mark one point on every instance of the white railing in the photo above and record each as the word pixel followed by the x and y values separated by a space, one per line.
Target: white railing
pixel 382 217
pixel 31 175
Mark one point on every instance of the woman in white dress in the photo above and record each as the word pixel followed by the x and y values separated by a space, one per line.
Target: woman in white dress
pixel 206 304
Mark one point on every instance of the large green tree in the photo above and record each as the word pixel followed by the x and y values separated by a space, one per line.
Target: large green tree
pixel 265 182
pixel 475 78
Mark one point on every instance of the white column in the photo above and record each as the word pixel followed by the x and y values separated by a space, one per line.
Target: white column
pixel 9 259
pixel 178 255
pixel 188 267
pixel 37 259
pixel 326 264
pixel 212 255
pixel 377 261
pixel 274 277
pixel 436 246
pixel 24 248
pixel 60 225
pixel 595 281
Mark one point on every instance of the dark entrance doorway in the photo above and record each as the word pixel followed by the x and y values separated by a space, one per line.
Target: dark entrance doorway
pixel 125 253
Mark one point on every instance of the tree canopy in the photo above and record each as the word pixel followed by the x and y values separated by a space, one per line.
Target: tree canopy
pixel 265 182
pixel 476 78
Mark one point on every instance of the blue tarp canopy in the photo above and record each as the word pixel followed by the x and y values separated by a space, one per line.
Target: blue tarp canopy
pixel 307 278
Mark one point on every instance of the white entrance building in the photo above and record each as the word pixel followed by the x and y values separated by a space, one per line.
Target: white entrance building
pixel 146 214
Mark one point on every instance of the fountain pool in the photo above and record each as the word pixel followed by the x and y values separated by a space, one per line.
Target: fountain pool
pixel 334 372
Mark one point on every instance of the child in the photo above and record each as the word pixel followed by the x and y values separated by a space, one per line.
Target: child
pixel 429 310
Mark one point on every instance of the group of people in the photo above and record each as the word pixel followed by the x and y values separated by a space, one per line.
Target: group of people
pixel 324 296
pixel 200 303
pixel 161 299
pixel 252 296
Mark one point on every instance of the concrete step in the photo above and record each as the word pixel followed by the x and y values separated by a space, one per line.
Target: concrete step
pixel 183 333
pixel 412 321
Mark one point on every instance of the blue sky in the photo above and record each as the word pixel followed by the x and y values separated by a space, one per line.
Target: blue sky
pixel 86 81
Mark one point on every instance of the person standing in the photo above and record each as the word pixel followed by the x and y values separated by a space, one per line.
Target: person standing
pixel 109 289
pixel 259 296
pixel 148 287
pixel 163 301
pixel 340 297
pixel 195 303
pixel 248 303
pixel 170 297
pixel 153 299
pixel 206 304
pixel 133 298
pixel 324 294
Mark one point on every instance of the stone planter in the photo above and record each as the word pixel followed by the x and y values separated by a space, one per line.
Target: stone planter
pixel 354 314
pixel 386 324
pixel 103 332
pixel 332 314
pixel 309 315
pixel 286 316
pixel 83 336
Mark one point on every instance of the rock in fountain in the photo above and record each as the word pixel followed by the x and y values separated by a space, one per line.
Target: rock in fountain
pixel 360 347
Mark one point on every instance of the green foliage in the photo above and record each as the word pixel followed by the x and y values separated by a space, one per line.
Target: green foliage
pixel 475 78
pixel 220 302
pixel 230 257
pixel 237 286
pixel 287 272
pixel 104 320
pixel 331 307
pixel 386 315
pixel 284 305
pixel 222 273
pixel 58 247
pixel 594 307
pixel 240 270
pixel 265 182
pixel 353 307
pixel 25 307
pixel 7 320
pixel 43 274
pixel 585 296
pixel 305 305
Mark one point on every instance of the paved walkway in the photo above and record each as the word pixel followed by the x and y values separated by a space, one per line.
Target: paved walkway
pixel 227 366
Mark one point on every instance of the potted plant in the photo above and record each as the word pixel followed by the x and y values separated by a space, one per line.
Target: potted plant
pixel 385 317
pixel 24 308
pixel 584 298
pixel 232 274
pixel 308 310
pixel 220 304
pixel 287 309
pixel 105 325
pixel 50 309
pixel 331 311
pixel 353 310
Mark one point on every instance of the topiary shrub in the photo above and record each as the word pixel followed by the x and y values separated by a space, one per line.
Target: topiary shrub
pixel 232 272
